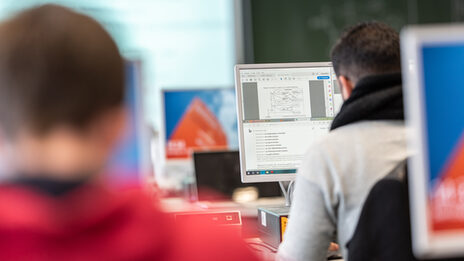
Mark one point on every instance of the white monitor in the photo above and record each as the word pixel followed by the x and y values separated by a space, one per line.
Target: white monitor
pixel 282 108
pixel 433 63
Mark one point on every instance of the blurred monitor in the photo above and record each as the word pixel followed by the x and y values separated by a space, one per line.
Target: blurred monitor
pixel 282 109
pixel 130 163
pixel 218 177
pixel 432 63
pixel 199 120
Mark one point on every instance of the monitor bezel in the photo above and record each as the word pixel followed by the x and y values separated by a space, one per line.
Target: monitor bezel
pixel 238 94
pixel 425 244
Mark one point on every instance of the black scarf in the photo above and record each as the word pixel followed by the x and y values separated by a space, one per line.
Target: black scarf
pixel 376 97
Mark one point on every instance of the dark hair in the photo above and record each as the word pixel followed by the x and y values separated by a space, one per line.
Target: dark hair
pixel 365 49
pixel 56 67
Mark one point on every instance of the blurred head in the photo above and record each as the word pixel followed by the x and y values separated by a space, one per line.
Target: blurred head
pixel 365 49
pixel 61 93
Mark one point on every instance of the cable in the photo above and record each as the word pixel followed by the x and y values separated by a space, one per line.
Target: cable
pixel 282 187
pixel 290 191
pixel 287 191
pixel 263 245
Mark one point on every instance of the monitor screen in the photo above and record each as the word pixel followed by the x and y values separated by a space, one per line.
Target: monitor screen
pixel 282 109
pixel 199 120
pixel 444 126
pixel 432 58
pixel 218 176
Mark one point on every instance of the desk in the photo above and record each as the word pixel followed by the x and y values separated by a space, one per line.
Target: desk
pixel 249 212
pixel 247 209
pixel 264 251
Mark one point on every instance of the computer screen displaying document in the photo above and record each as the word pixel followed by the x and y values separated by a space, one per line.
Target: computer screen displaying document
pixel 282 109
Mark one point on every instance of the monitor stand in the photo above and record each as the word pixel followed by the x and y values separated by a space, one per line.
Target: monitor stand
pixel 287 190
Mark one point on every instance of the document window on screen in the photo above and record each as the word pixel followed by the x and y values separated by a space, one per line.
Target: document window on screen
pixel 284 110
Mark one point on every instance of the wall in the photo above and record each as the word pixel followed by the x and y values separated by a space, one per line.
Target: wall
pixel 304 30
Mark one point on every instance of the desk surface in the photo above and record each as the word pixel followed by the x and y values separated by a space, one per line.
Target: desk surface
pixel 264 251
pixel 249 213
pixel 247 209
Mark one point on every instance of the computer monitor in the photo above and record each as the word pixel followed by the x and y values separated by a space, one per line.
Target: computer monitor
pixel 218 176
pixel 198 119
pixel 432 63
pixel 282 108
pixel 130 163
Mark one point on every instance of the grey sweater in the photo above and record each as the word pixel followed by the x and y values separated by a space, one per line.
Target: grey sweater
pixel 332 183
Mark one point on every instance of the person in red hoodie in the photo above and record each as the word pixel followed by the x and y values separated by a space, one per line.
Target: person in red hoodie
pixel 61 114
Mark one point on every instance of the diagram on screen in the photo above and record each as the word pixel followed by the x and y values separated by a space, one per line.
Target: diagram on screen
pixel 282 102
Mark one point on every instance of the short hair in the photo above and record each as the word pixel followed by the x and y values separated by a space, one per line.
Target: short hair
pixel 57 67
pixel 365 49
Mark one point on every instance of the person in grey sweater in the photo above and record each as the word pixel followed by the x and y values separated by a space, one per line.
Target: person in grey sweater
pixel 366 142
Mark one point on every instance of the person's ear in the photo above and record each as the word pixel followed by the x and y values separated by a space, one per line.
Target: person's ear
pixel 112 127
pixel 346 86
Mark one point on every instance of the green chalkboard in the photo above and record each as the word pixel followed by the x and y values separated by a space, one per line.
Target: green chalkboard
pixel 305 30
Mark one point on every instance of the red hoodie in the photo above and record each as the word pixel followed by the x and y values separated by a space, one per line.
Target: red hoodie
pixel 93 223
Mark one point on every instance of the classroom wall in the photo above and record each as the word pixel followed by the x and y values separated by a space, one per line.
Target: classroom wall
pixel 305 30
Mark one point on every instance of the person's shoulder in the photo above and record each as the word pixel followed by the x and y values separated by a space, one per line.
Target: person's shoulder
pixel 328 153
pixel 141 209
pixel 343 139
pixel 316 164
pixel 361 127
